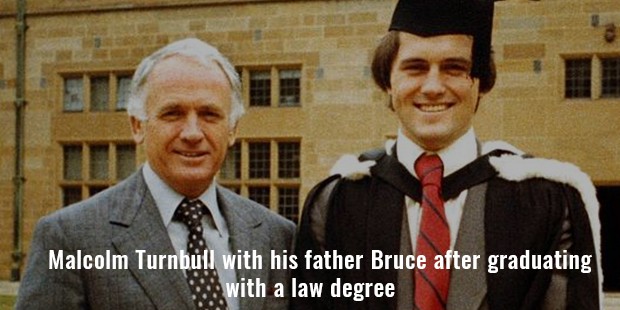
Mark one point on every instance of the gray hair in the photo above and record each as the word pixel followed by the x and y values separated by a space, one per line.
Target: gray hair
pixel 201 51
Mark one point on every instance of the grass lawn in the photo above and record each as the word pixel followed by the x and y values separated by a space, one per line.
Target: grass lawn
pixel 7 302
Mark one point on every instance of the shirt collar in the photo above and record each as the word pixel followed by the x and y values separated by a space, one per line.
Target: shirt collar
pixel 454 157
pixel 167 199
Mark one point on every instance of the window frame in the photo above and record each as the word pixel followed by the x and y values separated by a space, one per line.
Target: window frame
pixel 275 90
pixel 575 91
pixel 113 78
pixel 86 183
pixel 274 182
pixel 604 69
pixel 596 77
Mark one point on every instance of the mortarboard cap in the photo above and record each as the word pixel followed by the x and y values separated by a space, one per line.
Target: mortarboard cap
pixel 438 17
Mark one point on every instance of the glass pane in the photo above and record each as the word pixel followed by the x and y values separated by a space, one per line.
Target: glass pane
pixel 290 90
pixel 122 92
pixel 99 94
pixel 99 162
pixel 578 78
pixel 611 78
pixel 71 195
pixel 72 165
pixel 93 190
pixel 73 99
pixel 125 161
pixel 260 194
pixel 260 156
pixel 231 168
pixel 288 203
pixel 260 88
pixel 288 160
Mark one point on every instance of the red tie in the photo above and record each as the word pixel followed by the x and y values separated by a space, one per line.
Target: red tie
pixel 431 285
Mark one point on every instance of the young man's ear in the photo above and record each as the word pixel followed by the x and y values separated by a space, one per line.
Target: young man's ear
pixel 479 95
pixel 389 104
pixel 137 129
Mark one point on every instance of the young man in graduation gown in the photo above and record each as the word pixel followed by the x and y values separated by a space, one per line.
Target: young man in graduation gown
pixel 437 188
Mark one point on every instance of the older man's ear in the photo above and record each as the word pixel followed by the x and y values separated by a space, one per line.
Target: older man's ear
pixel 232 136
pixel 137 129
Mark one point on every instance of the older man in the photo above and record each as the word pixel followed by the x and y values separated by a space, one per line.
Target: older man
pixel 437 190
pixel 184 107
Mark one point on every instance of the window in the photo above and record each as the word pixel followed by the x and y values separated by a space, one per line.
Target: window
pixel 72 156
pixel 125 161
pixel 260 158
pixel 99 94
pixel 122 92
pixel 273 87
pixel 71 195
pixel 288 203
pixel 99 162
pixel 91 168
pixel 610 87
pixel 73 100
pixel 266 171
pixel 289 88
pixel 592 77
pixel 260 88
pixel 231 168
pixel 288 160
pixel 577 81
pixel 259 194
pixel 107 92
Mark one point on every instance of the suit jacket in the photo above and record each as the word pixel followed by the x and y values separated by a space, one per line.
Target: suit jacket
pixel 500 217
pixel 124 219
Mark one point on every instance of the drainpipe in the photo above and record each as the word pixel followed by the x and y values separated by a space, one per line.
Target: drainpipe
pixel 20 103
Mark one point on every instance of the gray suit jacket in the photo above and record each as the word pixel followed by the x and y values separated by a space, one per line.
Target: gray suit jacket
pixel 124 219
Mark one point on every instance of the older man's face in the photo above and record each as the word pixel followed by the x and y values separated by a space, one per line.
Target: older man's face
pixel 432 91
pixel 187 132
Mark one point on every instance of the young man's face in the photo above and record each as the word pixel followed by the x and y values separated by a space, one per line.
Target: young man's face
pixel 432 91
pixel 187 132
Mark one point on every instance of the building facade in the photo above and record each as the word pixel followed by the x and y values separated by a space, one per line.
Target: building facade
pixel 305 67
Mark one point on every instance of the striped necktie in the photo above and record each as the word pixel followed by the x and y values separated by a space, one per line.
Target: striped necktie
pixel 431 285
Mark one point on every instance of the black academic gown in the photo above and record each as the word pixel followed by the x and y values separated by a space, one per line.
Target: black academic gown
pixel 359 216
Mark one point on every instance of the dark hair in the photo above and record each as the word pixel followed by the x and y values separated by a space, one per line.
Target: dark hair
pixel 386 52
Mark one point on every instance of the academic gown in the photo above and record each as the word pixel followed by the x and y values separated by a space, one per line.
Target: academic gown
pixel 505 214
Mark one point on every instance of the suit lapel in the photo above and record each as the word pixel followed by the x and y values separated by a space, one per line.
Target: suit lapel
pixel 468 286
pixel 141 228
pixel 242 226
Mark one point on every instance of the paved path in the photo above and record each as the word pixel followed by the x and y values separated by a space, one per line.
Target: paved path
pixel 8 288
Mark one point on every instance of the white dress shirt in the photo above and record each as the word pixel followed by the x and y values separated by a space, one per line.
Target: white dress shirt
pixel 454 157
pixel 215 230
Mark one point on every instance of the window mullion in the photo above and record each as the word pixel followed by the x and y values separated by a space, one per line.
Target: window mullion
pixel 245 84
pixel 275 87
pixel 87 93
pixel 245 167
pixel 112 177
pixel 273 174
pixel 112 91
pixel 85 169
pixel 596 77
